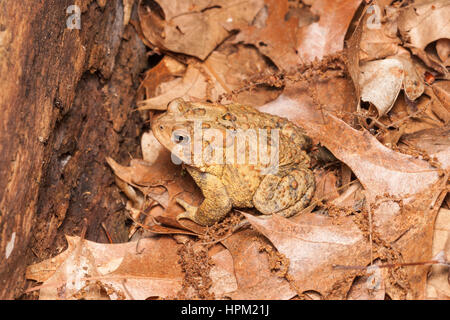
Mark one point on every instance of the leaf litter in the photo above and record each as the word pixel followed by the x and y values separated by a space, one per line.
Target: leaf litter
pixel 369 84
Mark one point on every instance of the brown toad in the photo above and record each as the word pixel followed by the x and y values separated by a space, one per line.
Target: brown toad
pixel 239 157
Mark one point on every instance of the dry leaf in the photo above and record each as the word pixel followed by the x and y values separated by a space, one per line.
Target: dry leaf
pixel 162 181
pixel 167 69
pixel 43 270
pixel 423 23
pixel 326 36
pixel 351 198
pixel 194 27
pixel 288 42
pixel 134 269
pixel 409 117
pixel 381 81
pixel 314 244
pixel 326 185
pixel 232 67
pixel 228 68
pixel 149 269
pixel 435 142
pixel 385 174
pixel 441 90
pixel 252 270
pixel 151 148
pixel 443 51
pixel 70 281
pixel 192 86
pixel 222 273
pixel 379 36
pixel 438 285
pixel 369 286
pixel 378 168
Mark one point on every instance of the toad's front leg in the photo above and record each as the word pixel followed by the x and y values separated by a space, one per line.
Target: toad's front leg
pixel 216 204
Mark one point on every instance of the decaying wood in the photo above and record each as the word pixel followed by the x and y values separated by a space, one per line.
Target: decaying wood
pixel 66 99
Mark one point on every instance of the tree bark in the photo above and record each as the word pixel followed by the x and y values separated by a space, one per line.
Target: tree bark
pixel 66 101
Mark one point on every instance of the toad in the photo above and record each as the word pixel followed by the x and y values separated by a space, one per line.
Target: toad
pixel 239 157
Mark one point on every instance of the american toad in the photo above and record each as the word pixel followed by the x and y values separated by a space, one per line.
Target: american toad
pixel 239 157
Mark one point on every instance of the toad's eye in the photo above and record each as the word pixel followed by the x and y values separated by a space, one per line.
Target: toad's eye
pixel 180 137
pixel 161 127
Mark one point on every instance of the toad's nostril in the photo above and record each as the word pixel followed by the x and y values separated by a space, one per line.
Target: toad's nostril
pixel 161 127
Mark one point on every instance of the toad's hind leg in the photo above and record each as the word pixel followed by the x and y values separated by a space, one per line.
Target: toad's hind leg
pixel 216 204
pixel 285 193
